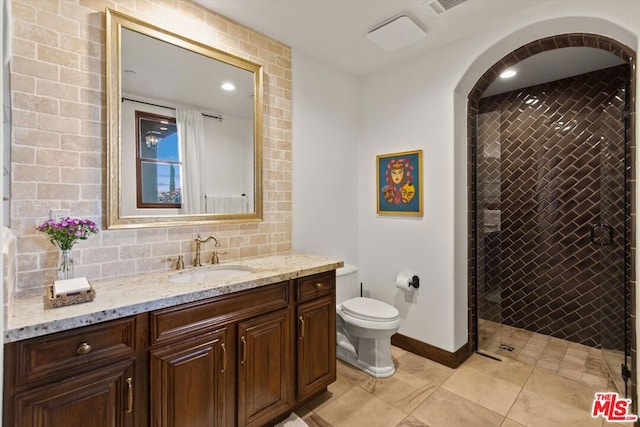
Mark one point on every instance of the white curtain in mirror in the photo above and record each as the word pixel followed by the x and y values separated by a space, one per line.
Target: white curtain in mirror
pixel 190 125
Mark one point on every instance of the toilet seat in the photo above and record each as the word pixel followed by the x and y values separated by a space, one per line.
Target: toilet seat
pixel 370 310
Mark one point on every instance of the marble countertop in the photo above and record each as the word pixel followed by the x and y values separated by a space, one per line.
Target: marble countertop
pixel 128 295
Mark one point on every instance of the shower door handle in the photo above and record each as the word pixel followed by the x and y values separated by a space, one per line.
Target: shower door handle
pixel 602 240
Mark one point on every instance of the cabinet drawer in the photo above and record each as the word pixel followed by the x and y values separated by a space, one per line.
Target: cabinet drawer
pixel 316 286
pixel 71 350
pixel 191 319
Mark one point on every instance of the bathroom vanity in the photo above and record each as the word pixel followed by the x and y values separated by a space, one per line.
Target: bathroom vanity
pixel 240 351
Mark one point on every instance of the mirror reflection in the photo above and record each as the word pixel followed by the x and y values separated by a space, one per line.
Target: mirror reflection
pixel 158 165
pixel 185 140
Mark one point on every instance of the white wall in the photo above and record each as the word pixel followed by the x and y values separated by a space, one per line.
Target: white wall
pixel 230 140
pixel 325 160
pixel 408 108
pixel 421 104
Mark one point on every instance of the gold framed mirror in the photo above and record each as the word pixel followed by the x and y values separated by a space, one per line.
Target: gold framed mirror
pixel 184 131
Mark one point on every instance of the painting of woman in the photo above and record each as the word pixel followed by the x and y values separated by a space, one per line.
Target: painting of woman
pixel 399 183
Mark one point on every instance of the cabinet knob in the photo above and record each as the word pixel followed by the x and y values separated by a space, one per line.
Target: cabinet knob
pixel 83 348
pixel 318 285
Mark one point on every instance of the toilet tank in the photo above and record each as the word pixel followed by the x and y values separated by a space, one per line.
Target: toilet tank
pixel 347 284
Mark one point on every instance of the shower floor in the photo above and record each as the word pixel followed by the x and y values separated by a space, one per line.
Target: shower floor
pixel 565 358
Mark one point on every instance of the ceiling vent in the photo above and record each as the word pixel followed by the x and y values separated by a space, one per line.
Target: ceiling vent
pixel 396 33
pixel 441 6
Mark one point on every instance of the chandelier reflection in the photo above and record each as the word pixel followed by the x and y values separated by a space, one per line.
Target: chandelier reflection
pixel 151 139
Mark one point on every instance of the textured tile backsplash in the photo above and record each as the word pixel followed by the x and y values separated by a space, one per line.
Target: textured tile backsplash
pixel 58 147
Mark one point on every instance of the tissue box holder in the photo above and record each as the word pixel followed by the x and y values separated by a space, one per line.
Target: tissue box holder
pixel 53 301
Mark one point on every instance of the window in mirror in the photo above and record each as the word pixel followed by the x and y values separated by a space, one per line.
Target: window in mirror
pixel 158 166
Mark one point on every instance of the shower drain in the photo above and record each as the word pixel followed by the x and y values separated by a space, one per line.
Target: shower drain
pixel 507 347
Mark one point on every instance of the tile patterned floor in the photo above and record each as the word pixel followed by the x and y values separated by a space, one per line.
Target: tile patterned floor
pixel 567 359
pixel 541 391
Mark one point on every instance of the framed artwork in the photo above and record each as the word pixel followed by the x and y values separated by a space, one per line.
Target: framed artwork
pixel 399 183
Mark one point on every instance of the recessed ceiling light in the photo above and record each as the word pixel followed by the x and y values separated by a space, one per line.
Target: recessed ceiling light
pixel 228 86
pixel 507 74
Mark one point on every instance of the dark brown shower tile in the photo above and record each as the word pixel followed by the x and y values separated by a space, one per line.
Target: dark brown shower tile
pixel 545 160
pixel 547 199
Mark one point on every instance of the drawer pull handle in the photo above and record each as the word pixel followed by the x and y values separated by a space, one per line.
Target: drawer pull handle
pixel 83 348
pixel 318 286
pixel 301 327
pixel 244 350
pixel 129 395
pixel 224 358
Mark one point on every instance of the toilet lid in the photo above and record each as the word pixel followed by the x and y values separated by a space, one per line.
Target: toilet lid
pixel 369 309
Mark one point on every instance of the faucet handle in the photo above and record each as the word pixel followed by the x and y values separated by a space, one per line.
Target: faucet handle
pixel 180 263
pixel 215 259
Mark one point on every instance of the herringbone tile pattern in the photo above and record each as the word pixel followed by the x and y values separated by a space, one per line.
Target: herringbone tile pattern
pixel 551 164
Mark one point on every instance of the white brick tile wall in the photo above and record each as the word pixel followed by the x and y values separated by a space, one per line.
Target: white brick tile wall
pixel 59 137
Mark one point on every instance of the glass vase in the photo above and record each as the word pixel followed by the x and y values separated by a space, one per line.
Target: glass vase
pixel 65 269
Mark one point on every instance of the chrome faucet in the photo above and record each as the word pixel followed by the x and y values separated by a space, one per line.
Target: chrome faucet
pixel 199 241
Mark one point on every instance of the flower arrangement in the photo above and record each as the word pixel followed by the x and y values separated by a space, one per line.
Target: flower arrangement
pixel 67 231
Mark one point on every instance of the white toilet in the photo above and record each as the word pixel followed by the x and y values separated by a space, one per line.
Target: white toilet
pixel 364 326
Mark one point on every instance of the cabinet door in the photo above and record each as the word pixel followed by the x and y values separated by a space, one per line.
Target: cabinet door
pixel 99 398
pixel 188 382
pixel 264 368
pixel 316 346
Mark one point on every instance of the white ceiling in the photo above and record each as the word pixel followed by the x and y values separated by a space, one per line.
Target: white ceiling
pixel 334 31
pixel 554 65
pixel 158 72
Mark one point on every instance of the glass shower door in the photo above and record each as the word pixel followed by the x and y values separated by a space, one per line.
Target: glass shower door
pixel 610 235
pixel 488 239
pixel 552 251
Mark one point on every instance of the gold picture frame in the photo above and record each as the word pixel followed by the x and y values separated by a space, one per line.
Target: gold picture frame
pixel 399 183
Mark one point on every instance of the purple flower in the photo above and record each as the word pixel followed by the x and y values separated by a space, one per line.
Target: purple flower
pixel 67 231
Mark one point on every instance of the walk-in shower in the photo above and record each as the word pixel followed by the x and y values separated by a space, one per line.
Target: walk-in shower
pixel 552 242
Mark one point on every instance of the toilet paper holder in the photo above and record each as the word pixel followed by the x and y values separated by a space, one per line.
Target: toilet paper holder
pixel 407 281
pixel 415 282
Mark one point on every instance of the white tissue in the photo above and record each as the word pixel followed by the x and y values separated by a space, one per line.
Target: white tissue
pixel 402 282
pixel 70 286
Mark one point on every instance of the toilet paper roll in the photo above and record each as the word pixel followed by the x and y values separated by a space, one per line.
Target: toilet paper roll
pixel 402 282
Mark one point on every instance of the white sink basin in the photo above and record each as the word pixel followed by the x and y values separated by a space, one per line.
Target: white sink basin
pixel 211 274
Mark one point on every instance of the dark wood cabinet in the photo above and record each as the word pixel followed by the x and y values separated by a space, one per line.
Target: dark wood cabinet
pixel 316 346
pixel 100 398
pixel 187 382
pixel 238 375
pixel 242 359
pixel 264 368
pixel 87 377
pixel 316 315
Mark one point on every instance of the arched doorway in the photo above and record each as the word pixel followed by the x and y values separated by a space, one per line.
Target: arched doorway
pixel 550 247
